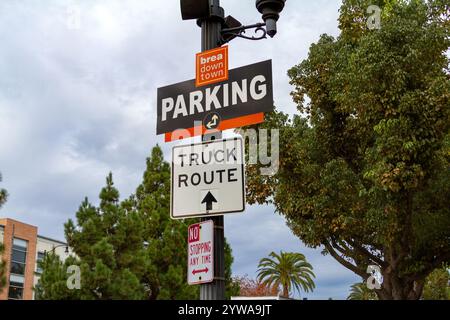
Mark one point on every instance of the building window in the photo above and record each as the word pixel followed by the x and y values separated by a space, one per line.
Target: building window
pixel 17 268
pixel 16 284
pixel 19 256
pixel 40 257
pixel 18 263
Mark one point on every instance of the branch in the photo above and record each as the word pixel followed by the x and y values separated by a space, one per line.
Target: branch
pixel 433 265
pixel 417 290
pixel 344 262
pixel 366 253
pixel 341 247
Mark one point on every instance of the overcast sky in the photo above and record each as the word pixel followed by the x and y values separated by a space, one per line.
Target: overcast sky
pixel 78 100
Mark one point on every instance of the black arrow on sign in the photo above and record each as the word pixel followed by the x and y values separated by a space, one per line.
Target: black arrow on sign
pixel 209 199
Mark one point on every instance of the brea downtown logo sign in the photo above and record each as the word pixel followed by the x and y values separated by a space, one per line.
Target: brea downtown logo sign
pixel 240 100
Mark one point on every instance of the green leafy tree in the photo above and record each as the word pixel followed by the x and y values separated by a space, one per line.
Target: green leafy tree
pixel 437 285
pixel 363 171
pixel 359 291
pixel 289 270
pixel 3 196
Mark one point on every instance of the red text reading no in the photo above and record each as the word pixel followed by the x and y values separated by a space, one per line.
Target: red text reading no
pixel 194 233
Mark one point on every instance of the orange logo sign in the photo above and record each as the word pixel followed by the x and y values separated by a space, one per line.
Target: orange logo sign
pixel 211 66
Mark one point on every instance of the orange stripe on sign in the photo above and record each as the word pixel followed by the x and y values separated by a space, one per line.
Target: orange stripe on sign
pixel 242 121
pixel 181 134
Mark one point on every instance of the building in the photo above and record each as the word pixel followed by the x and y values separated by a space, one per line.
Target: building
pixel 24 247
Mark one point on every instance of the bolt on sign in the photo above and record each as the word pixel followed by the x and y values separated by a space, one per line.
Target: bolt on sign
pixel 211 66
pixel 184 109
pixel 207 179
pixel 201 253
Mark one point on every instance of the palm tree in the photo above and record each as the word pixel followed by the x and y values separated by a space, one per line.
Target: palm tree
pixel 289 270
pixel 360 291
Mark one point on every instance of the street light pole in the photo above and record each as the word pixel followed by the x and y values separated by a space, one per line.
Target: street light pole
pixel 211 38
pixel 216 31
pixel 58 246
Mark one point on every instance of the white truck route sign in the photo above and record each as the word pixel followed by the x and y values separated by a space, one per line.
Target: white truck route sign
pixel 207 179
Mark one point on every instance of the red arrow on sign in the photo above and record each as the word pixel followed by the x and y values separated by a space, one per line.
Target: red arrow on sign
pixel 194 272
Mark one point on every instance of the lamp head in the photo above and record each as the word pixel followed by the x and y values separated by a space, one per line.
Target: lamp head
pixel 195 9
pixel 270 10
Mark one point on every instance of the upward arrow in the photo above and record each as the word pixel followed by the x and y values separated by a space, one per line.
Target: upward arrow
pixel 209 199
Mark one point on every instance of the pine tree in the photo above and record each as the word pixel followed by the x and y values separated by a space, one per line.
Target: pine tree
pixel 232 289
pixel 167 238
pixel 3 194
pixel 52 284
pixel 108 241
pixel 127 250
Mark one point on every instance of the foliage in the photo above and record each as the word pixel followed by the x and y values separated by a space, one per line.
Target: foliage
pixel 364 169
pixel 359 291
pixel 253 288
pixel 231 288
pixel 289 270
pixel 129 249
pixel 166 238
pixel 52 284
pixel 3 194
pixel 3 197
pixel 108 240
pixel 437 285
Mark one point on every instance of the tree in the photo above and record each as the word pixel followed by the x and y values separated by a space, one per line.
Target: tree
pixel 288 270
pixel 3 194
pixel 231 288
pixel 3 197
pixel 359 291
pixel 167 238
pixel 254 288
pixel 108 241
pixel 129 249
pixel 363 170
pixel 437 285
pixel 110 252
pixel 52 284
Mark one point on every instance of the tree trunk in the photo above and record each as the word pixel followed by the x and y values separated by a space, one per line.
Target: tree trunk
pixel 285 292
pixel 394 288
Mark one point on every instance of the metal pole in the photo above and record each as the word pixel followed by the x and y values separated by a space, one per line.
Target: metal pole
pixel 211 28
